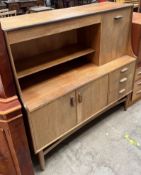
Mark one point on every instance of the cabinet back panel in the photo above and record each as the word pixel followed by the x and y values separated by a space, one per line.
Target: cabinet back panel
pixel 90 37
pixel 38 46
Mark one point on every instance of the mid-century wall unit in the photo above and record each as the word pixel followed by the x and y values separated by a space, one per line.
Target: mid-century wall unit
pixel 69 66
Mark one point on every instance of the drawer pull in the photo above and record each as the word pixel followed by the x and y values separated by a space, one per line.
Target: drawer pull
pixel 118 17
pixel 80 98
pixel 122 91
pixel 72 101
pixel 123 80
pixel 124 70
pixel 139 73
pixel 139 92
pixel 139 83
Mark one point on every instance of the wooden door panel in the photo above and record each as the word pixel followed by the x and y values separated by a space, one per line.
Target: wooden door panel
pixel 115 34
pixel 92 98
pixel 53 120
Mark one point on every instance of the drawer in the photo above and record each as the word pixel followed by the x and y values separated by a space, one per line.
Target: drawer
pixel 137 90
pixel 136 95
pixel 120 82
pixel 125 71
pixel 138 74
pixel 137 85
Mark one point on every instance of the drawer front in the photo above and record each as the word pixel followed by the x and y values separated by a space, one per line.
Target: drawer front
pixel 53 120
pixel 117 24
pixel 136 95
pixel 137 91
pixel 137 85
pixel 138 74
pixel 120 82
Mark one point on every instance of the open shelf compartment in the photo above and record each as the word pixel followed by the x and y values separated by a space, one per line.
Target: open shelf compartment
pixel 42 53
pixel 50 59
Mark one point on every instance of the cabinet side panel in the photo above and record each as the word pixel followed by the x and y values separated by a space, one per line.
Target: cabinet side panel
pixel 7 87
pixel 6 162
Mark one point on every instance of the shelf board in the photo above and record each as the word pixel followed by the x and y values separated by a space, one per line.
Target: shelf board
pixel 41 62
pixel 45 90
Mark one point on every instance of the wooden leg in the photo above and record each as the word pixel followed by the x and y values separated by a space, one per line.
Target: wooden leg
pixel 126 103
pixel 41 160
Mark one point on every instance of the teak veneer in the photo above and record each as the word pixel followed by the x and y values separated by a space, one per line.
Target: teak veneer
pixel 70 65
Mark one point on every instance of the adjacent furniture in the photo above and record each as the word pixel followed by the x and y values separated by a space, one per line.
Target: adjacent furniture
pixel 136 3
pixel 136 43
pixel 37 9
pixel 23 5
pixel 14 152
pixel 70 65
pixel 8 14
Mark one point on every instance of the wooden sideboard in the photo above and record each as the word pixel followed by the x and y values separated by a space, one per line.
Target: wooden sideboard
pixel 136 43
pixel 69 66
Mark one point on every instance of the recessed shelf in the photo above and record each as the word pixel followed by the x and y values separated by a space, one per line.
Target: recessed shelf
pixel 43 61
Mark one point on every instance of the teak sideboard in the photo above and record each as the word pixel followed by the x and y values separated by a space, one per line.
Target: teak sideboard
pixel 69 66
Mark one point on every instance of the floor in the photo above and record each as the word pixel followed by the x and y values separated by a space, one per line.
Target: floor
pixel 110 145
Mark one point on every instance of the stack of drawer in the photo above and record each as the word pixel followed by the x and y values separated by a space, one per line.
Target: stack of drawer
pixel 137 85
pixel 121 82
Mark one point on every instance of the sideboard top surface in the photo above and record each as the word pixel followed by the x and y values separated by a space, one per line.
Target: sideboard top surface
pixel 34 19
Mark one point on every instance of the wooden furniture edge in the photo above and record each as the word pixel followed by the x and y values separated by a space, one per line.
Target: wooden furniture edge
pixel 121 6
pixel 14 152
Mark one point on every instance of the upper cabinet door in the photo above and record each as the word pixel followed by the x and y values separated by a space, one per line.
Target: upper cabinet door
pixel 115 34
pixel 92 98
pixel 53 120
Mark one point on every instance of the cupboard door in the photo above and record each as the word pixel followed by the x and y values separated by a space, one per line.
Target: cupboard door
pixel 115 33
pixel 121 82
pixel 91 98
pixel 52 120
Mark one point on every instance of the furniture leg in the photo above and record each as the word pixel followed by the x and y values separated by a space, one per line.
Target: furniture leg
pixel 41 160
pixel 126 103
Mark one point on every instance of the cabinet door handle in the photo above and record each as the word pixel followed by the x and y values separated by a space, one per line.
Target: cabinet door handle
pixel 72 101
pixel 124 70
pixel 80 98
pixel 139 73
pixel 123 80
pixel 122 91
pixel 118 17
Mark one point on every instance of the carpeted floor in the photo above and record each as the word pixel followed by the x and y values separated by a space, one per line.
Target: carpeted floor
pixel 109 146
